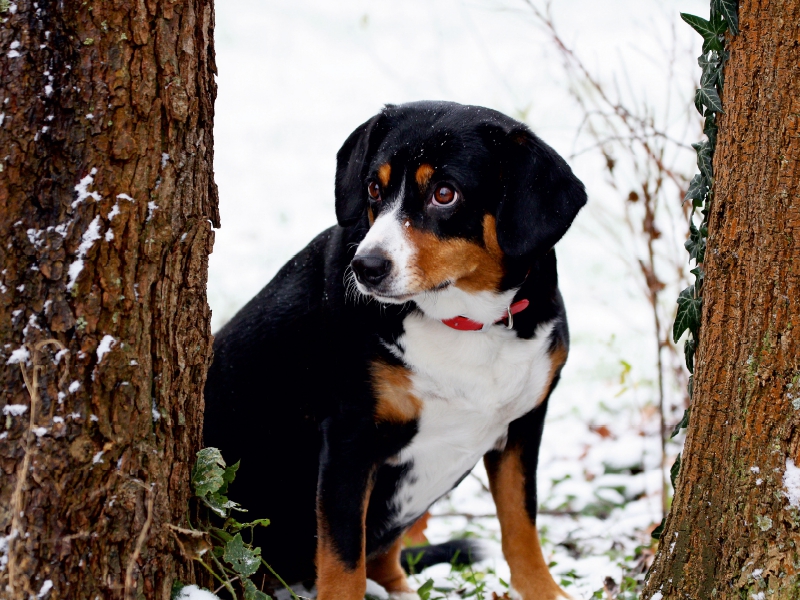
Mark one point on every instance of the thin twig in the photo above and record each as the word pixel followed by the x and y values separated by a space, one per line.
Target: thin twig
pixel 137 549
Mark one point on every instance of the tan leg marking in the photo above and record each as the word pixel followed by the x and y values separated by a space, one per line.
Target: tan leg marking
pixel 392 385
pixel 335 579
pixel 423 176
pixel 472 266
pixel 386 570
pixel 415 535
pixel 530 576
pixel 384 173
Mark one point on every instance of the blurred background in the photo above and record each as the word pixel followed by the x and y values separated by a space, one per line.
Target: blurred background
pixel 609 85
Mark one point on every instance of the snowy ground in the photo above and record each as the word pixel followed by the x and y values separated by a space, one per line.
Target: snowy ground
pixel 297 76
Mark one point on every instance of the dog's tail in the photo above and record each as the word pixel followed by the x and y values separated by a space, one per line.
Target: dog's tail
pixel 459 553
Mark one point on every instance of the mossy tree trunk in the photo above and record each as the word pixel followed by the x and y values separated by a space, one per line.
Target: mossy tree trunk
pixel 107 201
pixel 734 528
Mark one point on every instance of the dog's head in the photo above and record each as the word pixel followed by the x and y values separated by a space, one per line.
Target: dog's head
pixel 455 195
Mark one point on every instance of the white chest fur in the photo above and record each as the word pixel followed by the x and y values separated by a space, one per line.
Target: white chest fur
pixel 472 385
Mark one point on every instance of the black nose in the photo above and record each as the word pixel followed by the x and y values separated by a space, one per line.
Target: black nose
pixel 371 269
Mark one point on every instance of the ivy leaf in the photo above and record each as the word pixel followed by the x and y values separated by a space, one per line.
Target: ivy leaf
pixel 688 353
pixel 656 533
pixel 243 560
pixel 676 468
pixel 251 592
pixel 688 316
pixel 683 424
pixel 696 244
pixel 228 475
pixel 707 96
pixel 703 150
pixel 698 188
pixel 729 10
pixel 710 129
pixel 708 29
pixel 207 475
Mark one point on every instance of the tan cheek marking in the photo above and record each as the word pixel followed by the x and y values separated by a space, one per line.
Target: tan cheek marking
pixel 471 266
pixel 386 569
pixel 395 401
pixel 384 173
pixel 370 216
pixel 335 579
pixel 529 573
pixel 423 176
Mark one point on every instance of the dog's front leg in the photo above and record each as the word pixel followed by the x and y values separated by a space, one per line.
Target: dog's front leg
pixel 512 479
pixel 345 483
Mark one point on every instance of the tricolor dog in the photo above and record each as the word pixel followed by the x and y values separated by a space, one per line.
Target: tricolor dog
pixel 421 334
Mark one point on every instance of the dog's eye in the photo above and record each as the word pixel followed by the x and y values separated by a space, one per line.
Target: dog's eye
pixel 444 195
pixel 374 190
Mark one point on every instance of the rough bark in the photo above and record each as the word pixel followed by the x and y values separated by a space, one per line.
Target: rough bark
pixel 106 111
pixel 734 528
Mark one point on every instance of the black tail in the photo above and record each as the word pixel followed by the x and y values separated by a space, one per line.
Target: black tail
pixel 459 553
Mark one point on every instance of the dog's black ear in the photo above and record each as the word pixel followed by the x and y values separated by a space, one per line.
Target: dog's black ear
pixel 541 195
pixel 351 162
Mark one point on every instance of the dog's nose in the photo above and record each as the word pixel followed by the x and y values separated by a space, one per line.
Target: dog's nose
pixel 371 269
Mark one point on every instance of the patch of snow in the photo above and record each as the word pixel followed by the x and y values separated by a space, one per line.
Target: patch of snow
pixel 19 355
pixel 109 235
pixel 61 353
pixel 124 197
pixel 58 419
pixel 91 235
pixel 656 596
pixel 97 458
pixel 757 573
pixel 758 596
pixel 73 416
pixel 89 116
pixel 759 481
pixel 105 347
pixel 48 90
pixel 156 414
pixel 755 470
pixel 3 435
pixel 791 481
pixel 15 410
pixel 151 208
pixel 94 418
pixel 39 431
pixel 46 587
pixel 73 387
pixel 192 592
pixel 114 210
pixel 61 229
pixel 13 54
pixel 83 189
pixel 164 159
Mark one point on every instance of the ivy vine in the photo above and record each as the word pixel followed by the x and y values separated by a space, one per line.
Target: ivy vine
pixel 724 17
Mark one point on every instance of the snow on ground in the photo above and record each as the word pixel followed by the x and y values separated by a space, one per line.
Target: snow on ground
pixel 297 76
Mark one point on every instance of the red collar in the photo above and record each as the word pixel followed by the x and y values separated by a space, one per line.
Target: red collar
pixel 465 324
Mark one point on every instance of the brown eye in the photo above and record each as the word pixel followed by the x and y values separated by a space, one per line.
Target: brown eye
pixel 374 190
pixel 444 195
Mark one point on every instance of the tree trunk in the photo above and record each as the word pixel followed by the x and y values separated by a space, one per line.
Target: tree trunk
pixel 107 200
pixel 734 528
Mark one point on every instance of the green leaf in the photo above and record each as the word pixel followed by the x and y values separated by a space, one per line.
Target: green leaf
pixel 729 10
pixel 703 150
pixel 228 475
pixel 688 353
pixel 207 475
pixel 708 29
pixel 683 424
pixel 424 590
pixel 220 504
pixel 256 523
pixel 243 560
pixel 710 129
pixel 676 468
pixel 688 316
pixel 708 97
pixel 656 534
pixel 251 592
pixel 696 244
pixel 698 188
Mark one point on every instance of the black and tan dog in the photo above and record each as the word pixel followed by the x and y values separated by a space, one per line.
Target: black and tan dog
pixel 422 333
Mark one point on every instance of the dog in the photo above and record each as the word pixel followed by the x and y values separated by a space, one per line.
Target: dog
pixel 422 333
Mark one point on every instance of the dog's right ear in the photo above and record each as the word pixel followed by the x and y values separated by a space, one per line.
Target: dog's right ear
pixel 351 162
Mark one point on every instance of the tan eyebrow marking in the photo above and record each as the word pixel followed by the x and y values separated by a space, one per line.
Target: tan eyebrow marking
pixel 423 176
pixel 384 172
